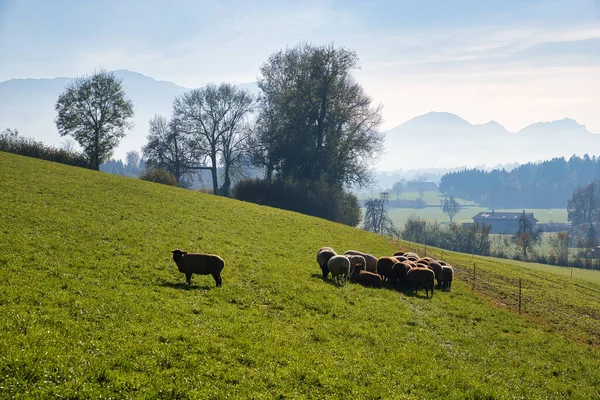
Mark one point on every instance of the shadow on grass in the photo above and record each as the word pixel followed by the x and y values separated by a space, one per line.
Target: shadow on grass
pixel 184 286
pixel 419 294
pixel 328 280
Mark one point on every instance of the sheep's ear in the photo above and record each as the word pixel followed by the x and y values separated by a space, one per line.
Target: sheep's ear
pixel 184 252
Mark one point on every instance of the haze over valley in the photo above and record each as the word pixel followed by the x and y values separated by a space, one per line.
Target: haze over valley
pixel 451 141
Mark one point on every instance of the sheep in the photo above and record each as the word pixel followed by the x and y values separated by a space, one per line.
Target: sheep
pixel 370 259
pixel 355 273
pixel 323 256
pixel 411 254
pixel 437 270
pixel 398 274
pixel 399 253
pixel 339 267
pixel 199 263
pixel 400 258
pixel 367 278
pixel 447 276
pixel 384 267
pixel 442 263
pixel 424 260
pixel 356 261
pixel 420 278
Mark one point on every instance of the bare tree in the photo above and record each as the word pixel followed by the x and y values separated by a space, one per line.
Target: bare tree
pixel 209 115
pixel 234 139
pixel 68 145
pixel 527 237
pixel 450 207
pixel 168 148
pixel 398 188
pixel 376 216
pixel 559 242
pixel 94 110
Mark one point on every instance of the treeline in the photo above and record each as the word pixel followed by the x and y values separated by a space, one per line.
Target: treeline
pixel 547 184
pixel 312 133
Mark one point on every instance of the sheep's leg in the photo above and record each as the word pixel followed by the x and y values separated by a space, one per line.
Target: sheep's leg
pixel 188 278
pixel 218 280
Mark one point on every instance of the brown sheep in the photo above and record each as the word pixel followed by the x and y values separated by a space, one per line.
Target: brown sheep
pixel 367 278
pixel 398 275
pixel 355 273
pixel 199 263
pixel 424 260
pixel 442 263
pixel 384 267
pixel 370 259
pixel 447 277
pixel 400 258
pixel 437 270
pixel 399 253
pixel 323 256
pixel 420 278
pixel 411 254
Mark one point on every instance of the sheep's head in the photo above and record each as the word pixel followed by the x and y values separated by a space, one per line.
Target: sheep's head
pixel 178 255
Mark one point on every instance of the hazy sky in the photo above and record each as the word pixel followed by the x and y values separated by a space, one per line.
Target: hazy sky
pixel 516 62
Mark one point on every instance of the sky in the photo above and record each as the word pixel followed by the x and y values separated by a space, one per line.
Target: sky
pixel 515 62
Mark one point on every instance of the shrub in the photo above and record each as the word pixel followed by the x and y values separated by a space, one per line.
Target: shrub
pixel 317 199
pixel 159 176
pixel 11 142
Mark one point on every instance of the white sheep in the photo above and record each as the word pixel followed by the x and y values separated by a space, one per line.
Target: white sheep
pixel 339 266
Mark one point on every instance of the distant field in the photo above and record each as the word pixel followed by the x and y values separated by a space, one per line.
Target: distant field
pixel 430 198
pixel 588 275
pixel 400 215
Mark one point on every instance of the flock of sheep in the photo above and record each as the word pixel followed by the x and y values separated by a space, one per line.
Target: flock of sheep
pixel 402 271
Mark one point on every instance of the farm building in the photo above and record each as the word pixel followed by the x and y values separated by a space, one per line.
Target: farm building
pixel 503 222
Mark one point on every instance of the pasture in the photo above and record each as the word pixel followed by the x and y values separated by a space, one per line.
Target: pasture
pixel 92 305
pixel 399 216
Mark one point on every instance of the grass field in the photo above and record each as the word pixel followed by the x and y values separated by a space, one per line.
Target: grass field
pixel 430 198
pixel 400 215
pixel 589 275
pixel 91 306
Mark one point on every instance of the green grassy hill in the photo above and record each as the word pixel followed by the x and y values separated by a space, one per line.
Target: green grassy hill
pixel 91 305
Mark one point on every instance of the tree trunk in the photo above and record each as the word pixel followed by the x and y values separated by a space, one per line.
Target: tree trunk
pixel 226 181
pixel 213 170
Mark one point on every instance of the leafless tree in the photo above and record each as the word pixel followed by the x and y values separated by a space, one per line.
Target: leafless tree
pixel 213 117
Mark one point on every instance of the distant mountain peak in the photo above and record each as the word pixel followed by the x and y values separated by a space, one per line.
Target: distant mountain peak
pixel 439 118
pixel 565 124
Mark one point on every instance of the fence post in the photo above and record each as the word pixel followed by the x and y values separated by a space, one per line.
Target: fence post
pixel 474 267
pixel 519 296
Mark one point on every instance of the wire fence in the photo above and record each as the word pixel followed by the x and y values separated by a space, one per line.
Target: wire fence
pixel 534 293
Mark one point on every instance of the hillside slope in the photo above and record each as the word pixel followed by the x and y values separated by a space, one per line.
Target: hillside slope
pixel 92 305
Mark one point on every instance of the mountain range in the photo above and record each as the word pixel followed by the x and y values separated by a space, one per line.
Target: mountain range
pixel 432 140
pixel 444 140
